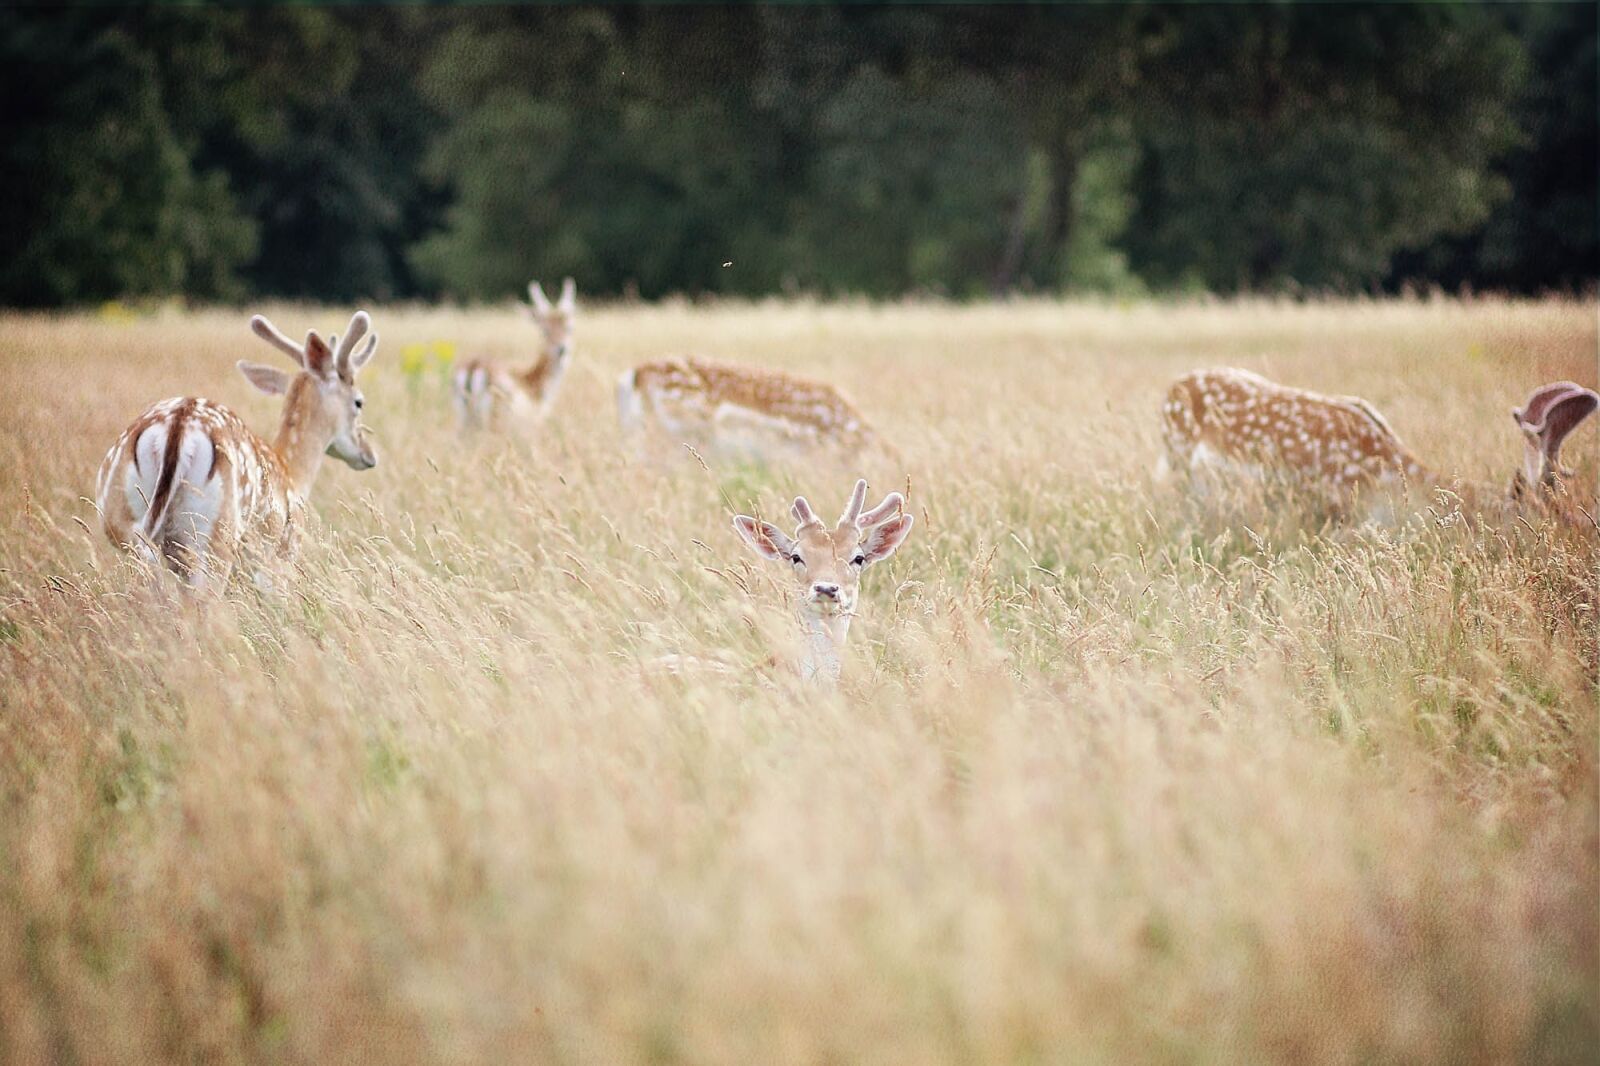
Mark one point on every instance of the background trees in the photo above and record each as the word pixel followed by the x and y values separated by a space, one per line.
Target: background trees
pixel 1311 144
pixel 389 153
pixel 100 193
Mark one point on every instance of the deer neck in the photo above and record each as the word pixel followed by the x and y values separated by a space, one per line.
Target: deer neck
pixel 1484 500
pixel 303 436
pixel 1548 497
pixel 544 376
pixel 824 656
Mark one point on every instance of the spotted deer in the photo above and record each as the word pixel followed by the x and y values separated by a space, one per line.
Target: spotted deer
pixel 488 394
pixel 188 482
pixel 738 410
pixel 827 565
pixel 1231 420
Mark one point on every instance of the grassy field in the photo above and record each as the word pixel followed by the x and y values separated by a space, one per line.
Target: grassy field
pixel 1112 776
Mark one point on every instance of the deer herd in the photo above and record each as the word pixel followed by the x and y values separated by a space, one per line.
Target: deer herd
pixel 189 486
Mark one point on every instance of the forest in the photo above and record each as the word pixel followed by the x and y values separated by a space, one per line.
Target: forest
pixel 336 154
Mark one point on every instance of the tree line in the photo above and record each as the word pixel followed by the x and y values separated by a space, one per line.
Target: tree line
pixel 426 152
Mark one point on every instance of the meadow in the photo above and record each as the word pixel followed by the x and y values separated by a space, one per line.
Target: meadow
pixel 1112 776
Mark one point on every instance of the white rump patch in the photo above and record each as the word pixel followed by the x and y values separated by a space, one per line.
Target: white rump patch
pixel 140 486
pixel 196 495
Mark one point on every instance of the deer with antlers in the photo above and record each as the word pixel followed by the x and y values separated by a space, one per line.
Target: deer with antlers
pixel 188 482
pixel 1235 420
pixel 738 410
pixel 488 394
pixel 827 565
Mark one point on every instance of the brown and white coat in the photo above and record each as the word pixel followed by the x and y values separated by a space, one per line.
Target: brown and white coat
pixel 188 483
pixel 1234 421
pixel 491 395
pixel 827 564
pixel 737 410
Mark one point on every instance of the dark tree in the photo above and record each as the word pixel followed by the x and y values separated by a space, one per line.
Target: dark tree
pixel 378 153
pixel 98 196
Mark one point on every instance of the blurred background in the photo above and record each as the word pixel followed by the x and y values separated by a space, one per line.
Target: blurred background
pixel 426 153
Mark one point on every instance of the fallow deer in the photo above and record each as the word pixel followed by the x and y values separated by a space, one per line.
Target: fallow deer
pixel 1340 446
pixel 488 394
pixel 188 481
pixel 738 410
pixel 827 565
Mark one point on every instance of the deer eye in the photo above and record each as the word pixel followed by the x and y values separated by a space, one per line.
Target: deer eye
pixel 859 560
pixel 359 402
pixel 794 557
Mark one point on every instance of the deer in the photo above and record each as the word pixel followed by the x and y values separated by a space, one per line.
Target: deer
pixel 738 410
pixel 188 483
pixel 488 394
pixel 1340 446
pixel 827 565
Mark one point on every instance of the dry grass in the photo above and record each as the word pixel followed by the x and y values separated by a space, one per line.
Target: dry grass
pixel 1111 778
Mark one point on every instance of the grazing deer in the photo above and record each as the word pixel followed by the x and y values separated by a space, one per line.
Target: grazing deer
pixel 188 481
pixel 738 410
pixel 488 394
pixel 827 565
pixel 1339 445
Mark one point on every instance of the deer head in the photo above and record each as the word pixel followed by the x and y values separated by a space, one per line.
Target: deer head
pixel 554 320
pixel 828 563
pixel 1550 413
pixel 322 411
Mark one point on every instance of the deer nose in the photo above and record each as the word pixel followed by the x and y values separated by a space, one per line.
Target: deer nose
pixel 825 592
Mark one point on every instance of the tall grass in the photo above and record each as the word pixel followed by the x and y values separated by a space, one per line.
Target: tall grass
pixel 1112 776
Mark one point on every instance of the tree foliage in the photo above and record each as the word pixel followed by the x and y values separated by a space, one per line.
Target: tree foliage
pixel 98 195
pixel 389 153
pixel 1311 144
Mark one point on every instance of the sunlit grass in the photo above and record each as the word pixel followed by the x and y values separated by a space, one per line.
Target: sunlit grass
pixel 1112 776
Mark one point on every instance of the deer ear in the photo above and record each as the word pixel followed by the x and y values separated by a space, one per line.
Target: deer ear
pixel 269 379
pixel 319 357
pixel 764 538
pixel 882 541
pixel 569 294
pixel 1564 416
pixel 1534 409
